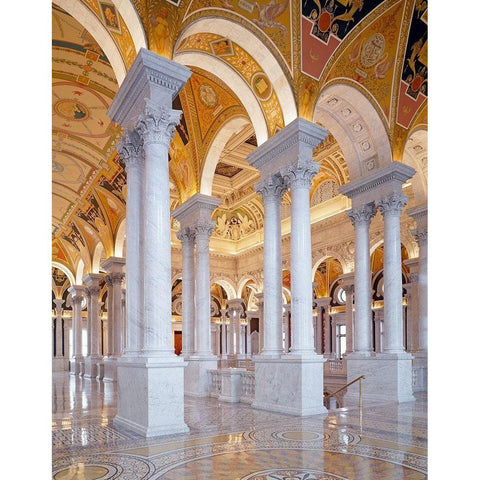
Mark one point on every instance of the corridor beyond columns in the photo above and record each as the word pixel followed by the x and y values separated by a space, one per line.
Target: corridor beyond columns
pixel 234 441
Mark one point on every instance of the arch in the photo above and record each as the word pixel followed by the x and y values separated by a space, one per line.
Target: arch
pixel 259 52
pixel 229 128
pixel 133 22
pixel 79 275
pixel 120 238
pixel 415 155
pixel 352 119
pixel 235 82
pixel 97 257
pixel 243 281
pixel 65 270
pixel 80 12
pixel 324 257
pixel 227 286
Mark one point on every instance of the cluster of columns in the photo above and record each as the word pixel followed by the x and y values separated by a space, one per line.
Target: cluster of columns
pixel 150 375
pixel 60 353
pixel 285 162
pixel 194 216
pixel 389 374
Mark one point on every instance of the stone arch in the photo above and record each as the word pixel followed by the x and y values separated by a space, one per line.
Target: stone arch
pixel 95 27
pixel 356 125
pixel 235 82
pixel 230 127
pixel 97 257
pixel 65 270
pixel 259 52
pixel 133 22
pixel 80 272
pixel 226 284
pixel 243 281
pixel 120 238
pixel 324 256
pixel 415 155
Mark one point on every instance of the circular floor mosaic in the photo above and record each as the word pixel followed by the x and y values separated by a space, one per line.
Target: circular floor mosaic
pixel 296 474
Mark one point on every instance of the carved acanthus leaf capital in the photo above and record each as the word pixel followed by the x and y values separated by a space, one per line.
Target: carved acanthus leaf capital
pixel 203 230
pixel 420 235
pixel 300 174
pixel 156 124
pixel 271 188
pixel 130 149
pixel 186 235
pixel 362 215
pixel 114 278
pixel 392 204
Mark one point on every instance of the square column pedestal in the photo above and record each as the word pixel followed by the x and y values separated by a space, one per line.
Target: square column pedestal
pixel 290 384
pixel 196 375
pixel 91 366
pixel 420 372
pixel 59 364
pixel 110 366
pixel 150 396
pixel 388 378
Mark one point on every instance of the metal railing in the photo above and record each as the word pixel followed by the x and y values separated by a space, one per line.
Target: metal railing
pixel 358 379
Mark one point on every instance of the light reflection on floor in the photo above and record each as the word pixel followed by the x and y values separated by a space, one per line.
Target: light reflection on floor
pixel 235 441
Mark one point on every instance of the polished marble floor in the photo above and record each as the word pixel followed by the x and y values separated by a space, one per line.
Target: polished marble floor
pixel 235 442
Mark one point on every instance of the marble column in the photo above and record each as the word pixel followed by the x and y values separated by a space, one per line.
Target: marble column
pixel 114 267
pixel 78 294
pixel 235 310
pixel 388 374
pixel 259 304
pixel 390 206
pixel 130 149
pixel 187 237
pixel 321 305
pixel 272 188
pixel 293 383
pixel 92 281
pixel 347 281
pixel 223 312
pixel 58 363
pixel 378 330
pixel 361 218
pixel 144 103
pixel 287 327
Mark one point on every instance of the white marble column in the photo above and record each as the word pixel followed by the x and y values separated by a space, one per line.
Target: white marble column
pixel 298 176
pixel 186 236
pixel 248 327
pixel 272 188
pixel 59 361
pixel 259 304
pixel 144 103
pixel 235 310
pixel 92 281
pixel 130 149
pixel 360 218
pixel 390 206
pixel 224 311
pixel 378 331
pixel 347 281
pixel 78 294
pixel 286 327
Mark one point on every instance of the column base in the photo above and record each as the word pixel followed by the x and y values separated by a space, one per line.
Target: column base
pixel 110 365
pixel 59 364
pixel 292 384
pixel 150 396
pixel 91 363
pixel 231 390
pixel 388 378
pixel 197 380
pixel 76 366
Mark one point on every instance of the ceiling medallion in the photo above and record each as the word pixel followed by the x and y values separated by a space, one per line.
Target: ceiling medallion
pixel 71 110
pixel 261 86
pixel 207 95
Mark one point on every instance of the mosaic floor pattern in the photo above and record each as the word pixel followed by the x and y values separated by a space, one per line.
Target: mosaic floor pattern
pixel 235 442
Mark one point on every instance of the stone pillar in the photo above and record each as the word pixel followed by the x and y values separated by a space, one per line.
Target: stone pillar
pixel 92 281
pixel 144 104
pixel 217 340
pixel 130 149
pixel 293 383
pixel 272 188
pixel 388 375
pixel 58 362
pixel 259 303
pixel 390 207
pixel 347 281
pixel 378 331
pixel 224 311
pixel 235 310
pixel 249 314
pixel 195 214
pixel 114 268
pixel 186 236
pixel 78 294
pixel 360 218
pixel 287 327
pixel 321 305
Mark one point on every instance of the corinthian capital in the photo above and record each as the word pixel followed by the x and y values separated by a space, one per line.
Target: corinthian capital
pixel 156 124
pixel 271 188
pixel 186 235
pixel 362 215
pixel 300 174
pixel 420 235
pixel 203 230
pixel 130 149
pixel 392 204
pixel 114 278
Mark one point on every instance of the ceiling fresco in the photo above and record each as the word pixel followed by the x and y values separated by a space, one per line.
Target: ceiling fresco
pixel 377 46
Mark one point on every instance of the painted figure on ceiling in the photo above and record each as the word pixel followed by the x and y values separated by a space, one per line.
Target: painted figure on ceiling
pixel 269 12
pixel 161 29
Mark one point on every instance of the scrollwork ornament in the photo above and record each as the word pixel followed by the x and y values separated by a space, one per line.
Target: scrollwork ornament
pixel 202 231
pixel 392 204
pixel 271 188
pixel 185 235
pixel 361 215
pixel 130 149
pixel 299 175
pixel 156 124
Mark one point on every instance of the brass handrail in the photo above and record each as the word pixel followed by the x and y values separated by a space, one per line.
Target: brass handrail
pixel 360 378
